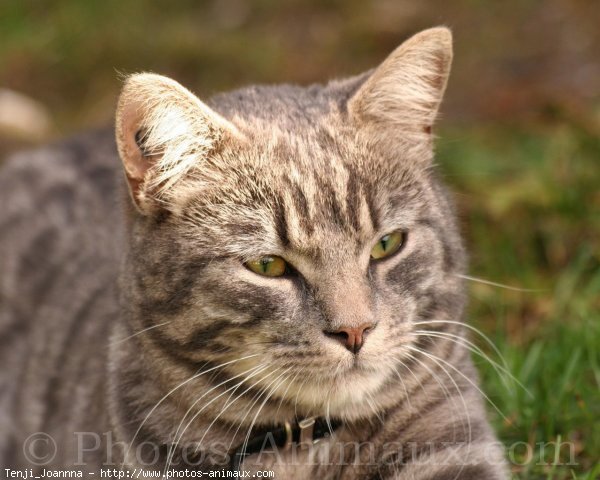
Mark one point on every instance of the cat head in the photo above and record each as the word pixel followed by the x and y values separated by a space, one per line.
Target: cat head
pixel 301 231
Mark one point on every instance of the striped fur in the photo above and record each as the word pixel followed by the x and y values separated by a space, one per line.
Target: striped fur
pixel 138 318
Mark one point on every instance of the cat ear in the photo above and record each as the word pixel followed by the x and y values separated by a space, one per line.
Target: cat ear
pixel 405 91
pixel 163 133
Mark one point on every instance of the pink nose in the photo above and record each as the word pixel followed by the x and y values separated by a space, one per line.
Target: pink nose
pixel 351 337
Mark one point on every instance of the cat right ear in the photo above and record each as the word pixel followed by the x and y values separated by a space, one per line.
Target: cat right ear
pixel 164 133
pixel 405 91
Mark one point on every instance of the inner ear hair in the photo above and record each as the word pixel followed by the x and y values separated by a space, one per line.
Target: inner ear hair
pixel 141 137
pixel 163 134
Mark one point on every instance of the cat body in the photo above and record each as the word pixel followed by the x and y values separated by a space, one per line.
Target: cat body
pixel 239 279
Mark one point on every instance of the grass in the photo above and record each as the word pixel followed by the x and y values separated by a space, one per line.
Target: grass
pixel 531 203
pixel 528 191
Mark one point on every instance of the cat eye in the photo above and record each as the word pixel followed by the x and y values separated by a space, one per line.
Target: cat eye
pixel 269 266
pixel 388 245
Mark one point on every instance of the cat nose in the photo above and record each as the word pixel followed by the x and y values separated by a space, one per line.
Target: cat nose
pixel 352 338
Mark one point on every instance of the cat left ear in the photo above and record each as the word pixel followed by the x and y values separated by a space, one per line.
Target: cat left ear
pixel 405 91
pixel 164 133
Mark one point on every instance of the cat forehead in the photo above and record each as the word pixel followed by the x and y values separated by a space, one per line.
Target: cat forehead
pixel 304 181
pixel 322 201
pixel 319 165
pixel 316 162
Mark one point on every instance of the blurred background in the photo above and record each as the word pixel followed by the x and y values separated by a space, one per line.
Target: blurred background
pixel 518 143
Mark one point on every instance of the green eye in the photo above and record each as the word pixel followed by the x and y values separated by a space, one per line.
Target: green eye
pixel 388 245
pixel 270 266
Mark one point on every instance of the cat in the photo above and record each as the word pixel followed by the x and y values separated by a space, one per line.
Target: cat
pixel 270 280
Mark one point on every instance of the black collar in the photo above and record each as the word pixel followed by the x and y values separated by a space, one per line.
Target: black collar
pixel 303 433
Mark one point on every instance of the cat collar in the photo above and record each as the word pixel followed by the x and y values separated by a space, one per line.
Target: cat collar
pixel 301 433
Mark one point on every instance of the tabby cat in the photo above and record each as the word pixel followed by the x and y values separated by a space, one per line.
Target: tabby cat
pixel 274 283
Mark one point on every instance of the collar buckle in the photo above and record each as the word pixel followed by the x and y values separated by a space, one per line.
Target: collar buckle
pixel 307 429
pixel 289 435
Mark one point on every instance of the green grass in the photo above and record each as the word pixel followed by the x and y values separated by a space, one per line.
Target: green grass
pixel 528 192
pixel 531 209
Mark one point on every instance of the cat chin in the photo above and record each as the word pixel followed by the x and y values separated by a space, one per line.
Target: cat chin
pixel 349 396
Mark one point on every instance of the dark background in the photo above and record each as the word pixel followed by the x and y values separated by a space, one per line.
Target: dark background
pixel 519 144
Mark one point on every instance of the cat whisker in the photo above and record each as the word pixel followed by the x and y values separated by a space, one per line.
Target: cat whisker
pixel 193 377
pixel 257 396
pixel 446 392
pixel 121 340
pixel 406 394
pixel 436 358
pixel 373 408
pixel 283 395
pixel 272 342
pixel 228 403
pixel 269 395
pixel 402 364
pixel 502 371
pixel 245 379
pixel 470 327
pixel 327 416
pixel 176 438
pixel 485 338
pixel 496 284
pixel 297 393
